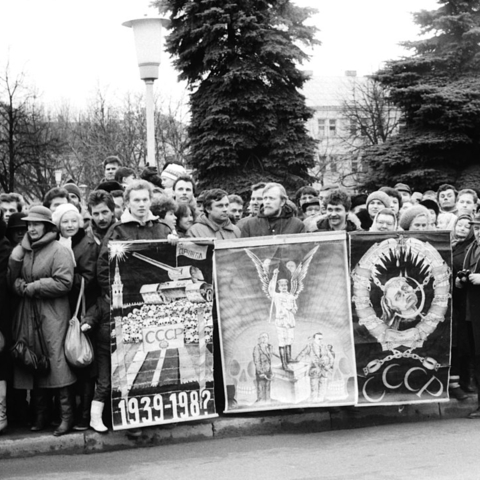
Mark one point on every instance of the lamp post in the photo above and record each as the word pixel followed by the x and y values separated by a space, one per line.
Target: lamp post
pixel 58 176
pixel 147 32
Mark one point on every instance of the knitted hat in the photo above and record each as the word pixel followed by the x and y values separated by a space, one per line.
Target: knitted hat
pixel 380 196
pixel 408 216
pixel 72 188
pixel 403 187
pixel 173 171
pixel 39 213
pixel 61 210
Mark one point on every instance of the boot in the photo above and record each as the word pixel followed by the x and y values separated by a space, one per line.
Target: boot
pixel 85 405
pixel 40 409
pixel 283 358
pixel 96 421
pixel 288 350
pixel 66 412
pixel 470 384
pixel 3 406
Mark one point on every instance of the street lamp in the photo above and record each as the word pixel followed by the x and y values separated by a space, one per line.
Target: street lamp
pixel 58 176
pixel 147 32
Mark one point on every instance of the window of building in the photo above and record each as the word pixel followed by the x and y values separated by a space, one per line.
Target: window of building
pixel 332 127
pixel 321 127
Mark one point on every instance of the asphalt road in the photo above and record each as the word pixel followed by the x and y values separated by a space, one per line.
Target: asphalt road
pixel 447 449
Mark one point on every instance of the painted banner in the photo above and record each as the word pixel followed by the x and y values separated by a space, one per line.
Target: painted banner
pixel 401 316
pixel 285 322
pixel 162 329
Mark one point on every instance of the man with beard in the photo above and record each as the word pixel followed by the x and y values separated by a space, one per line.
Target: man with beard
pixel 276 217
pixel 102 209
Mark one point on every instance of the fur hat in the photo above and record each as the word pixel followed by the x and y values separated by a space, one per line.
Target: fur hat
pixel 61 210
pixel 72 188
pixel 408 216
pixel 380 196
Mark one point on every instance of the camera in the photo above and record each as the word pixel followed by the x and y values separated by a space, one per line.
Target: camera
pixel 462 275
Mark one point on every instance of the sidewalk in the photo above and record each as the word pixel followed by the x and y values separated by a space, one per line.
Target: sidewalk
pixel 20 442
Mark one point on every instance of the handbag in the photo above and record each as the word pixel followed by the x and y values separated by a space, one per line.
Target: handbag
pixel 24 353
pixel 78 347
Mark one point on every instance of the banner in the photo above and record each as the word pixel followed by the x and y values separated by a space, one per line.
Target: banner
pixel 162 330
pixel 401 316
pixel 285 322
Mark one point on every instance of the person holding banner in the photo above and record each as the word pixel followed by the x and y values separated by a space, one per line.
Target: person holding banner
pixel 276 217
pixel 215 221
pixel 137 223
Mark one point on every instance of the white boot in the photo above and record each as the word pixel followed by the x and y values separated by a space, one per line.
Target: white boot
pixel 96 421
pixel 3 405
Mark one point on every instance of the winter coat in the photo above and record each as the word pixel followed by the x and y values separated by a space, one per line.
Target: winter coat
pixel 85 251
pixel 5 311
pixel 365 220
pixel 459 332
pixel 205 228
pixel 47 268
pixel 285 224
pixel 127 229
pixel 324 226
pixel 98 317
pixel 472 296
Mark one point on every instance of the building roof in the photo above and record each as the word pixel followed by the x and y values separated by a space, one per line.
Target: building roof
pixel 323 91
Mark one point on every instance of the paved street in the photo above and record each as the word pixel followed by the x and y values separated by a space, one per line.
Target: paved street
pixel 434 450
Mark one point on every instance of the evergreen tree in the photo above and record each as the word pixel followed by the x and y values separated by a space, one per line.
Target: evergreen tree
pixel 240 59
pixel 438 91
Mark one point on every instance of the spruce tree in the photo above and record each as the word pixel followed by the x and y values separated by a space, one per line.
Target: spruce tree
pixel 438 91
pixel 241 60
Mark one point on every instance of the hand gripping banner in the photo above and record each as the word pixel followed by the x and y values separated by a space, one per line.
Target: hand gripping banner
pixel 285 322
pixel 162 329
pixel 401 307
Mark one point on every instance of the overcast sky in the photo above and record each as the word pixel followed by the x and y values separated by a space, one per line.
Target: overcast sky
pixel 68 49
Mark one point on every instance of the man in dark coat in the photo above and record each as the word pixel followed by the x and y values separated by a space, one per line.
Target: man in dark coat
pixel 276 216
pixel 137 223
pixel 472 288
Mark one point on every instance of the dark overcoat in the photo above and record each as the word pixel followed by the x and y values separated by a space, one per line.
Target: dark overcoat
pixel 47 268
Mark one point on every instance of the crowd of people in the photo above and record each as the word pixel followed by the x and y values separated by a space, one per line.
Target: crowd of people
pixel 50 249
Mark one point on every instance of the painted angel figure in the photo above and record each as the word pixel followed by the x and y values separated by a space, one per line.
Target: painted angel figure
pixel 284 299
